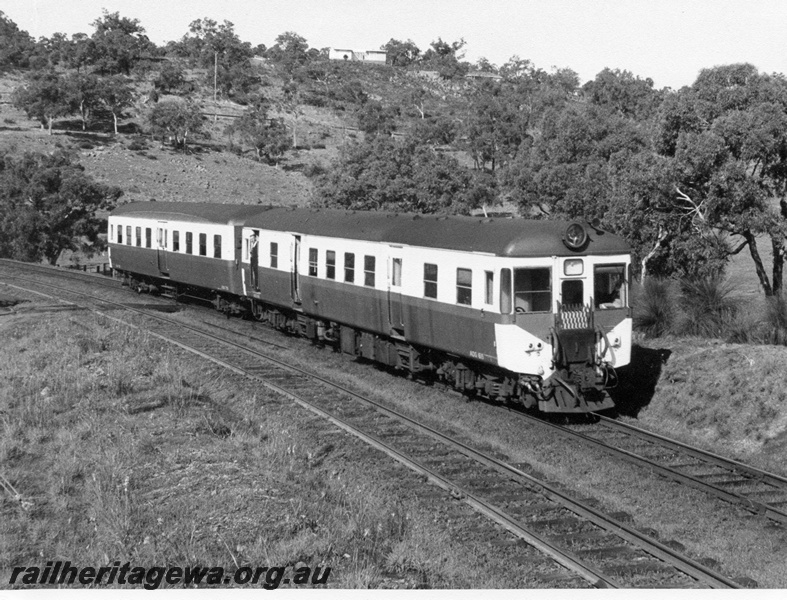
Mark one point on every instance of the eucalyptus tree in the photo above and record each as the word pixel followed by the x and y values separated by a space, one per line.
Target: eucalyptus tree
pixel 401 54
pixel 268 136
pixel 727 138
pixel 16 46
pixel 47 205
pixel 385 174
pixel 177 119
pixel 83 95
pixel 116 94
pixel 118 43
pixel 44 96
pixel 495 125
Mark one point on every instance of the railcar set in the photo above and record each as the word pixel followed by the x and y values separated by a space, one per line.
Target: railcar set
pixel 534 312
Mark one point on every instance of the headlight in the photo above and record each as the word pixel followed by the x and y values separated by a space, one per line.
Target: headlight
pixel 576 236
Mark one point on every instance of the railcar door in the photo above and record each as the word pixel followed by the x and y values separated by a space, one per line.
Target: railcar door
pixel 295 284
pixel 161 248
pixel 395 311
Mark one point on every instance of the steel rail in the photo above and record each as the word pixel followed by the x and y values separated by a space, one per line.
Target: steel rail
pixel 754 506
pixel 705 455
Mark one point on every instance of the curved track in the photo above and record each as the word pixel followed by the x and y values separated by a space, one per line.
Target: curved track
pixel 598 549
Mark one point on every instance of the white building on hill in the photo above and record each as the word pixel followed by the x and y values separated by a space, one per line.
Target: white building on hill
pixel 371 56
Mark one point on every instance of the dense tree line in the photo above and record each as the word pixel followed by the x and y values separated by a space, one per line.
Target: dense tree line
pixel 688 176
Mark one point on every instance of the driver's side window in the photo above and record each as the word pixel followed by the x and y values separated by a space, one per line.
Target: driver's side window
pixel 532 290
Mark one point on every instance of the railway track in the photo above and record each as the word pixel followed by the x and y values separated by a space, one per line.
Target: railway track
pixel 755 490
pixel 587 543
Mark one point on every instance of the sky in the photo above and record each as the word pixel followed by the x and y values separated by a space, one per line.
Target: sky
pixel 669 41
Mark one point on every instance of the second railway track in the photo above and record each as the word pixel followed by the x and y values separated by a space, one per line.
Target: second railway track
pixel 754 490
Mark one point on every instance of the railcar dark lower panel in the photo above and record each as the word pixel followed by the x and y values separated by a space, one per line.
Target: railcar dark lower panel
pixel 198 271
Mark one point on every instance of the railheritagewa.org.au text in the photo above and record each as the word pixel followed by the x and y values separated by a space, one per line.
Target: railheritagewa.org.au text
pixel 64 573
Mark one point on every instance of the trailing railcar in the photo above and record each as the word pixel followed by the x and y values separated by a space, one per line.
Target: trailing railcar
pixel 180 249
pixel 528 311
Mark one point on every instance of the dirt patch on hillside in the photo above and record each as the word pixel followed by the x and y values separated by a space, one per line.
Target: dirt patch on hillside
pixel 157 172
pixel 199 176
pixel 145 168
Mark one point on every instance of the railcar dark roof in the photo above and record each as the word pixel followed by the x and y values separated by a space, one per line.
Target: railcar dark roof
pixel 501 237
pixel 196 212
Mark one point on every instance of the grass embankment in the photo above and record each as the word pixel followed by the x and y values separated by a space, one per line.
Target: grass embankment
pixel 730 397
pixel 122 449
pixel 722 382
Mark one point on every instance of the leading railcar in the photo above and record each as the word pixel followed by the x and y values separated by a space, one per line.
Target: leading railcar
pixel 534 312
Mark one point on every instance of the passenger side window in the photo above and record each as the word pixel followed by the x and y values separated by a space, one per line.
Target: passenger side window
pixel 138 232
pixel 430 281
pixel 203 244
pixel 161 238
pixel 274 255
pixel 396 272
pixel 189 243
pixel 175 241
pixel 148 237
pixel 216 246
pixel 349 267
pixel 489 281
pixel 128 235
pixel 368 270
pixel 313 255
pixel 464 286
pixel 120 234
pixel 330 264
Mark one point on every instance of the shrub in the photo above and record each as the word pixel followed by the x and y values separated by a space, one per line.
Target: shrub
pixel 314 170
pixel 774 322
pixel 707 306
pixel 746 328
pixel 137 145
pixel 768 325
pixel 655 306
